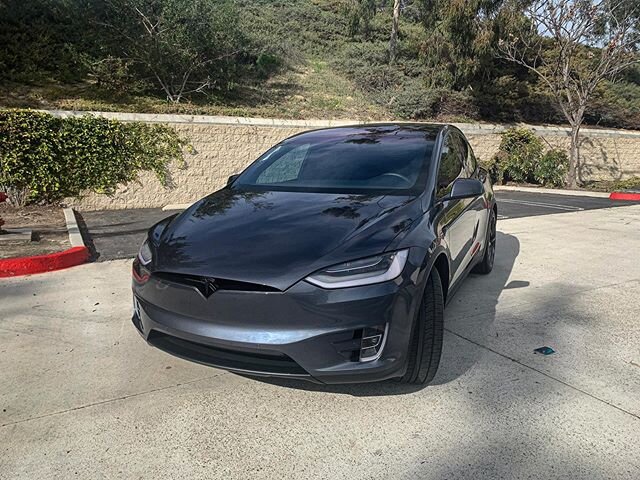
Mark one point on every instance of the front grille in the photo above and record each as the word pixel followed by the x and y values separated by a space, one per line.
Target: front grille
pixel 208 285
pixel 268 362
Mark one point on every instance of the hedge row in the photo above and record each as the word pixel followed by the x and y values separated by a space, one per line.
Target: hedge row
pixel 45 158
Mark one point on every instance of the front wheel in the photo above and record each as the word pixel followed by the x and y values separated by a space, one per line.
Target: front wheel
pixel 425 345
pixel 486 265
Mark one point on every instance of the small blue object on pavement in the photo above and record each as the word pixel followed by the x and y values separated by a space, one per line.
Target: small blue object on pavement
pixel 544 350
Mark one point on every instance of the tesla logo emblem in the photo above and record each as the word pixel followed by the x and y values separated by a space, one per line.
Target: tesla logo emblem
pixel 208 287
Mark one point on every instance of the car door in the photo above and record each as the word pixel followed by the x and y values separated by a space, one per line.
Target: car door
pixel 478 204
pixel 458 222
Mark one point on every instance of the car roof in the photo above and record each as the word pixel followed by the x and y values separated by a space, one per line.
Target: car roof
pixel 430 131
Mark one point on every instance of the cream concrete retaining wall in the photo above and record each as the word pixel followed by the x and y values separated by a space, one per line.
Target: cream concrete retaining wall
pixel 223 146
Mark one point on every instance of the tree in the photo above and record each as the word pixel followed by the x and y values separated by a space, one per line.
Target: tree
pixel 459 39
pixel 395 25
pixel 185 46
pixel 3 197
pixel 573 46
pixel 360 14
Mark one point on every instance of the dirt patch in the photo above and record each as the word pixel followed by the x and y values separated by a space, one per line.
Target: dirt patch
pixel 48 226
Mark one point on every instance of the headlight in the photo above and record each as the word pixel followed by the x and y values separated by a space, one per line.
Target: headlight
pixel 367 271
pixel 144 255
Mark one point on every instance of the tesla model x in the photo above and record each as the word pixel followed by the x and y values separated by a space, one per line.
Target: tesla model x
pixel 330 258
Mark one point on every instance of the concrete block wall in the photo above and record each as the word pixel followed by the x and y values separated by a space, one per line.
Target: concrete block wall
pixel 223 146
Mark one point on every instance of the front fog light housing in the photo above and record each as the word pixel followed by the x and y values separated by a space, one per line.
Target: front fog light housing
pixel 366 271
pixel 372 343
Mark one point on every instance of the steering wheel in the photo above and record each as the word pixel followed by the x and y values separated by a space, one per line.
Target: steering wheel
pixel 397 175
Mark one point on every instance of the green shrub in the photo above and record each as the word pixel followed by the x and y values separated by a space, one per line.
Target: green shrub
pixel 267 64
pixel 115 75
pixel 518 156
pixel 412 101
pixel 366 64
pixel 552 168
pixel 631 183
pixel 45 158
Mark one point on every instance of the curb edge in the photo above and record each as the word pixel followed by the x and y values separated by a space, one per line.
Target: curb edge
pixel 76 255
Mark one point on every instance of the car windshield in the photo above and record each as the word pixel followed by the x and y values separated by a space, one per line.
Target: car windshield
pixel 391 159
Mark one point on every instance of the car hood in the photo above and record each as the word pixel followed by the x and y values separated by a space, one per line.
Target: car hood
pixel 278 238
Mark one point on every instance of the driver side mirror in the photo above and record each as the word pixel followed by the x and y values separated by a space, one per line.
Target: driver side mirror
pixel 465 188
pixel 232 179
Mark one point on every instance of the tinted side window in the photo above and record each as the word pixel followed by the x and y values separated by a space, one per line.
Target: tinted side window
pixel 451 162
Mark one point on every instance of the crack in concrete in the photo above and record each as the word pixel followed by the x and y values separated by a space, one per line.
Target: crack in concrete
pixel 111 400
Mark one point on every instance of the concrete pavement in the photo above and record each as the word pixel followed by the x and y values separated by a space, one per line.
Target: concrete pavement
pixel 82 395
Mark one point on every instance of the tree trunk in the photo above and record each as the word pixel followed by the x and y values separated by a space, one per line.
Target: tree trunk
pixel 393 41
pixel 574 156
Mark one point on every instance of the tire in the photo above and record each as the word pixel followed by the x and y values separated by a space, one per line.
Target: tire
pixel 425 346
pixel 486 265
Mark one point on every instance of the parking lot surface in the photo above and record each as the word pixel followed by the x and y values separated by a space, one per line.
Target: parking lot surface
pixel 115 234
pixel 514 204
pixel 84 397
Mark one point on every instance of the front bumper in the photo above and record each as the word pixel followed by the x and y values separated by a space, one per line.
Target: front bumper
pixel 304 332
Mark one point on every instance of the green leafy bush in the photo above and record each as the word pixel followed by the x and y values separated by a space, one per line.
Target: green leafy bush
pixel 45 158
pixel 518 156
pixel 552 168
pixel 415 101
pixel 116 75
pixel 521 158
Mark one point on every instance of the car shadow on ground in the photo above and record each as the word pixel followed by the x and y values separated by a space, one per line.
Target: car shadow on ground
pixel 476 300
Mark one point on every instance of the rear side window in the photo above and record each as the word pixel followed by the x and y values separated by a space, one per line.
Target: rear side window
pixel 451 163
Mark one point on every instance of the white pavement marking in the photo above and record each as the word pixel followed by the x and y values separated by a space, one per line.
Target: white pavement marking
pixel 568 208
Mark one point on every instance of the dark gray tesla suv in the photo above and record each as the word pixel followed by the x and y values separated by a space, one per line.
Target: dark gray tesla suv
pixel 330 258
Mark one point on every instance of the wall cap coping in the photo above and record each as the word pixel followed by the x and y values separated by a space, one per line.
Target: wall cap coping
pixel 469 128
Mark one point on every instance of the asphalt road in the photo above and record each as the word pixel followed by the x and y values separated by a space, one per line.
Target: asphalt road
pixel 525 204
pixel 117 234
pixel 83 396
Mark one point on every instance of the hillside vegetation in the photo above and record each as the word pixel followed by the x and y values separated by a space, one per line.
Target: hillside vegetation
pixel 291 59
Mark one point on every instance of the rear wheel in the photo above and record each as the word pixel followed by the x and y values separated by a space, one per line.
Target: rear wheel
pixel 486 265
pixel 426 341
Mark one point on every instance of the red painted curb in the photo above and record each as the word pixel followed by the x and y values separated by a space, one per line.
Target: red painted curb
pixel 13 267
pixel 624 196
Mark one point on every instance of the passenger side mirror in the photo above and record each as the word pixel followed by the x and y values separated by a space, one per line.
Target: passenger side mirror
pixel 232 179
pixel 465 188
